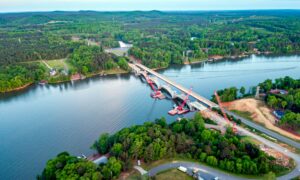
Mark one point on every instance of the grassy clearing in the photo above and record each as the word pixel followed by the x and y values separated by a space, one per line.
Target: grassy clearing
pixel 57 64
pixel 250 140
pixel 173 174
pixel 243 114
pixel 108 72
pixel 135 175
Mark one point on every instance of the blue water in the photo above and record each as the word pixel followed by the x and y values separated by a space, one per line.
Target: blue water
pixel 42 121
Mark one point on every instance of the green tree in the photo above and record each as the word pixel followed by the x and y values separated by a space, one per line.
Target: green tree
pixel 212 160
pixel 242 90
pixel 116 149
pixel 102 144
pixel 269 176
pixel 283 104
pixel 206 135
pixel 272 101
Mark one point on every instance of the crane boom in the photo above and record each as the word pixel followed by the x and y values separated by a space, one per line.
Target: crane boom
pixel 184 101
pixel 224 113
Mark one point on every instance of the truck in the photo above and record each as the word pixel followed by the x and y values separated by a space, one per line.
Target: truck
pixel 183 169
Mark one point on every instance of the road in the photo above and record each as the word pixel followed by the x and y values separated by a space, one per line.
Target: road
pixel 140 169
pixel 205 171
pixel 266 131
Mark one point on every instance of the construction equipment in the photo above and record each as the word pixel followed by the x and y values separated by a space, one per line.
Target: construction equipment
pixel 180 109
pixel 224 113
pixel 157 94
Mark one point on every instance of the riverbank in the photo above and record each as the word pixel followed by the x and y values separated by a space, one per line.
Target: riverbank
pixel 18 88
pixel 216 58
pixel 90 75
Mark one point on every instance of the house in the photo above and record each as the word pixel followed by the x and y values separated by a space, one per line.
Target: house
pixel 279 91
pixel 75 77
pixel 279 114
pixel 100 160
pixel 52 72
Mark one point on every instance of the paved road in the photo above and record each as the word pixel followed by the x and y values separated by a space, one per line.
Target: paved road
pixel 205 171
pixel 266 131
pixel 140 169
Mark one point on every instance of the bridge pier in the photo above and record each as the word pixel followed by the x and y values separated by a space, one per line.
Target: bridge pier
pixel 200 104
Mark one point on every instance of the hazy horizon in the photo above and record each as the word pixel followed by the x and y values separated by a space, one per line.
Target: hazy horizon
pixel 145 5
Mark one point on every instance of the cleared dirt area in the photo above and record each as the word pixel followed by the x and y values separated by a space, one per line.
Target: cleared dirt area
pixel 259 112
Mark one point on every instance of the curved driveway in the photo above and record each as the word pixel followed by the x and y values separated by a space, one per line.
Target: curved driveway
pixel 205 171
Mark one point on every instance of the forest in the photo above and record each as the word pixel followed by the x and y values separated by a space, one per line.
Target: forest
pixel 158 140
pixel 159 38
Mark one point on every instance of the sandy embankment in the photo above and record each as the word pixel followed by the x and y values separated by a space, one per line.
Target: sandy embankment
pixel 259 113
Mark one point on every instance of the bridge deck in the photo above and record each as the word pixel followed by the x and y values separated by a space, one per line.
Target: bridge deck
pixel 178 86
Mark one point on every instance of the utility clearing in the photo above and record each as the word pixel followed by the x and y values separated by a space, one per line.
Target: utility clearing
pixel 259 113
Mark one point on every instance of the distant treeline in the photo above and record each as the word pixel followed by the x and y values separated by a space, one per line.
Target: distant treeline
pixel 159 38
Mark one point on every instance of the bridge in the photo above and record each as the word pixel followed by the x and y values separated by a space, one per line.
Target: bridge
pixel 140 69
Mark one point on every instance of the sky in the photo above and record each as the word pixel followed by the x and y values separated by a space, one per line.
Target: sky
pixel 128 5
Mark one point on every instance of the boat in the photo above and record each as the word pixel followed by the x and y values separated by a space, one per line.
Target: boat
pixel 173 112
pixel 43 82
pixel 183 111
pixel 158 95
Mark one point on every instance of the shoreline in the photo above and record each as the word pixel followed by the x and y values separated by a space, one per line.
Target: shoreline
pixel 109 72
pixel 237 57
pixel 18 88
pixel 120 71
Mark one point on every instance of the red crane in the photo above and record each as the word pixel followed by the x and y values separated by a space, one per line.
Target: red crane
pixel 224 113
pixel 181 106
pixel 157 93
pixel 180 109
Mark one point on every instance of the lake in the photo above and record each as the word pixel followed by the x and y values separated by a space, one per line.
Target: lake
pixel 38 123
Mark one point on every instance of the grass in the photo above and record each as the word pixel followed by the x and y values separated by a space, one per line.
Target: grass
pixel 118 51
pixel 173 174
pixel 57 64
pixel 243 114
pixel 250 140
pixel 108 72
pixel 137 176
